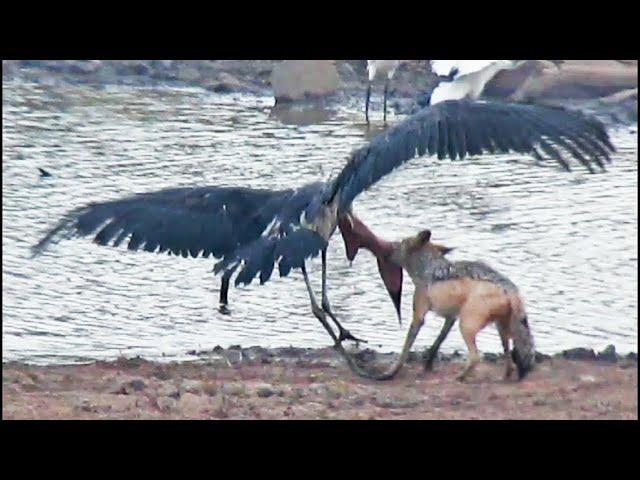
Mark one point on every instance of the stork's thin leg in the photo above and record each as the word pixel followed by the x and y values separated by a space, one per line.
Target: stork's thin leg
pixel 430 355
pixel 224 291
pixel 326 306
pixel 317 311
pixel 386 88
pixel 366 105
pixel 320 315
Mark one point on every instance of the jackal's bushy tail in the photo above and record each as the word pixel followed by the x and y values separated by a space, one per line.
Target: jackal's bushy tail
pixel 523 347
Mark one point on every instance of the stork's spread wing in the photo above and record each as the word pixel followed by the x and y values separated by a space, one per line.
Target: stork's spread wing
pixel 252 229
pixel 184 221
pixel 455 129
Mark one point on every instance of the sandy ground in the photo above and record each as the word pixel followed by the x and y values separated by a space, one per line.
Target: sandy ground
pixel 303 386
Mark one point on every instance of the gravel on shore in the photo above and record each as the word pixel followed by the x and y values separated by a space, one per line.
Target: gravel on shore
pixel 293 383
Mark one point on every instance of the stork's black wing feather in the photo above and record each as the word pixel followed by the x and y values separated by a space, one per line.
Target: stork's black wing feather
pixel 184 221
pixel 288 240
pixel 251 229
pixel 455 129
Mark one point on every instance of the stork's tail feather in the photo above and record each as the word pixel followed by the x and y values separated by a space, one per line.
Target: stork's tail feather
pixel 260 256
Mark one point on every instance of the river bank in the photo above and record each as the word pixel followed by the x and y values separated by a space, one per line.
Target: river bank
pixel 606 88
pixel 293 383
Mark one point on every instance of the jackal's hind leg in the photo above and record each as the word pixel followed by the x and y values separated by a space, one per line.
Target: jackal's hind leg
pixel 343 334
pixel 469 329
pixel 431 354
pixel 504 338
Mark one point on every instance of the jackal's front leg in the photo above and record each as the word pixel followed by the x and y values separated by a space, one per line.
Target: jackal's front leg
pixel 430 354
pixel 420 308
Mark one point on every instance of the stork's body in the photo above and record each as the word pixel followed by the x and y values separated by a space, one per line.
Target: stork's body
pixel 375 68
pixel 255 230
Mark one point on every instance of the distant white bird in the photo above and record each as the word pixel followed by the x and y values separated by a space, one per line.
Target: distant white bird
pixel 380 67
pixel 466 78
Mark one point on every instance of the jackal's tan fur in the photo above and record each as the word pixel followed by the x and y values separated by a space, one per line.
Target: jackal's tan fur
pixel 469 291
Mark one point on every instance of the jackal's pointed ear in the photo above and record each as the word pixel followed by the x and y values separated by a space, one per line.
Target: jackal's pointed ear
pixel 424 236
pixel 442 249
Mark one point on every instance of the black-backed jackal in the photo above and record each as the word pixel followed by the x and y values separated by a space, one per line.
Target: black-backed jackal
pixel 472 292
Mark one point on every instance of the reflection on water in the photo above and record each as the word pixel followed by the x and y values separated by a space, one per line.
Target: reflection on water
pixel 568 240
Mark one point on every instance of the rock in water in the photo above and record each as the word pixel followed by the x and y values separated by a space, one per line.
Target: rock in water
pixel 302 79
pixel 608 354
pixel 579 354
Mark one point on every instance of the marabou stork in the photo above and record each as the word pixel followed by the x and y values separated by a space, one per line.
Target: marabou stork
pixel 252 230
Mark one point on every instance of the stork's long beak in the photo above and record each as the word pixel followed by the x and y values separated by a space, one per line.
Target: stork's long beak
pixel 352 241
pixel 356 235
pixel 392 277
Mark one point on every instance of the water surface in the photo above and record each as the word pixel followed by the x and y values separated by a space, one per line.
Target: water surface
pixel 568 240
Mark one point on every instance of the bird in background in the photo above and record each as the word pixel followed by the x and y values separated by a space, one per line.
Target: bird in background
pixel 380 68
pixel 460 79
pixel 252 230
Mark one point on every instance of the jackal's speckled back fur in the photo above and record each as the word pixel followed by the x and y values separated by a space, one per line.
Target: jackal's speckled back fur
pixel 432 266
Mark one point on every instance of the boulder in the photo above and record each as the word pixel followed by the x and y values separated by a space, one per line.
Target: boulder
pixel 507 82
pixel 578 79
pixel 623 96
pixel 608 354
pixel 303 79
pixel 579 354
pixel 132 67
pixel 226 83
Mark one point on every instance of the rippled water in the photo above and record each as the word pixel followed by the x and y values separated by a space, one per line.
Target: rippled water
pixel 569 241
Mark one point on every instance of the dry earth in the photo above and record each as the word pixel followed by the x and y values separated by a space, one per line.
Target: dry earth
pixel 314 384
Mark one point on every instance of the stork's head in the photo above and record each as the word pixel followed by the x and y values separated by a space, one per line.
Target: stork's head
pixel 357 235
